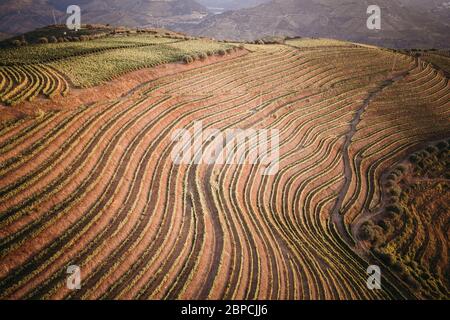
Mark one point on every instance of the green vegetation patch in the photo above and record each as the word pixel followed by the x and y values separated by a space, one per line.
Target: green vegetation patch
pixel 311 43
pixel 199 46
pixel 91 70
pixel 57 51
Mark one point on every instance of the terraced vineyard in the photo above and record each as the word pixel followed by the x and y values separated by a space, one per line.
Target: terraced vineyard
pixel 43 69
pixel 20 83
pixel 441 59
pixel 96 186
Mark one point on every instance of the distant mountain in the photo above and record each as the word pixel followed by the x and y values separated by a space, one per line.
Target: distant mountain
pixel 18 16
pixel 226 5
pixel 142 13
pixel 405 23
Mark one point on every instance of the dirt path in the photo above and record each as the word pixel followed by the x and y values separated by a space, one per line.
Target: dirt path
pixel 336 215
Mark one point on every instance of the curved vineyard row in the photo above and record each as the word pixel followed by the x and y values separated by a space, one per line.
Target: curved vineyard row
pixel 24 83
pixel 41 70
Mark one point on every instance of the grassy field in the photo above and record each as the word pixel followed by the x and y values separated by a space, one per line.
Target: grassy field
pixel 57 51
pixel 312 43
pixel 27 72
pixel 95 69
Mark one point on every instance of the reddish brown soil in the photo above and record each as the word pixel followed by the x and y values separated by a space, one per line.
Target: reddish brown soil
pixel 108 91
pixel 146 228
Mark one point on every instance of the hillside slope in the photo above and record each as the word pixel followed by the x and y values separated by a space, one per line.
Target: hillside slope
pixel 95 185
pixel 19 16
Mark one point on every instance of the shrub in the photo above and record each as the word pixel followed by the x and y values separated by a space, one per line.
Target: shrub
pixel 229 50
pixel 188 59
pixel 378 237
pixel 425 276
pixel 366 230
pixel 260 42
pixel 387 258
pixel 386 225
pixel 23 41
pixel 202 56
pixel 402 168
pixel 391 177
pixel 399 267
pixel 394 209
pixel 421 165
pixel 389 184
pixel 404 197
pixel 442 145
pixel 53 39
pixel 409 279
pixel 394 220
pixel 395 191
pixel 372 233
pixel 432 149
pixel 424 154
pixel 43 40
pixel 16 43
pixel 221 52
pixel 414 158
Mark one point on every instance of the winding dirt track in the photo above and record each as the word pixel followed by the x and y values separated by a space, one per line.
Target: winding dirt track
pixel 336 213
pixel 96 186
